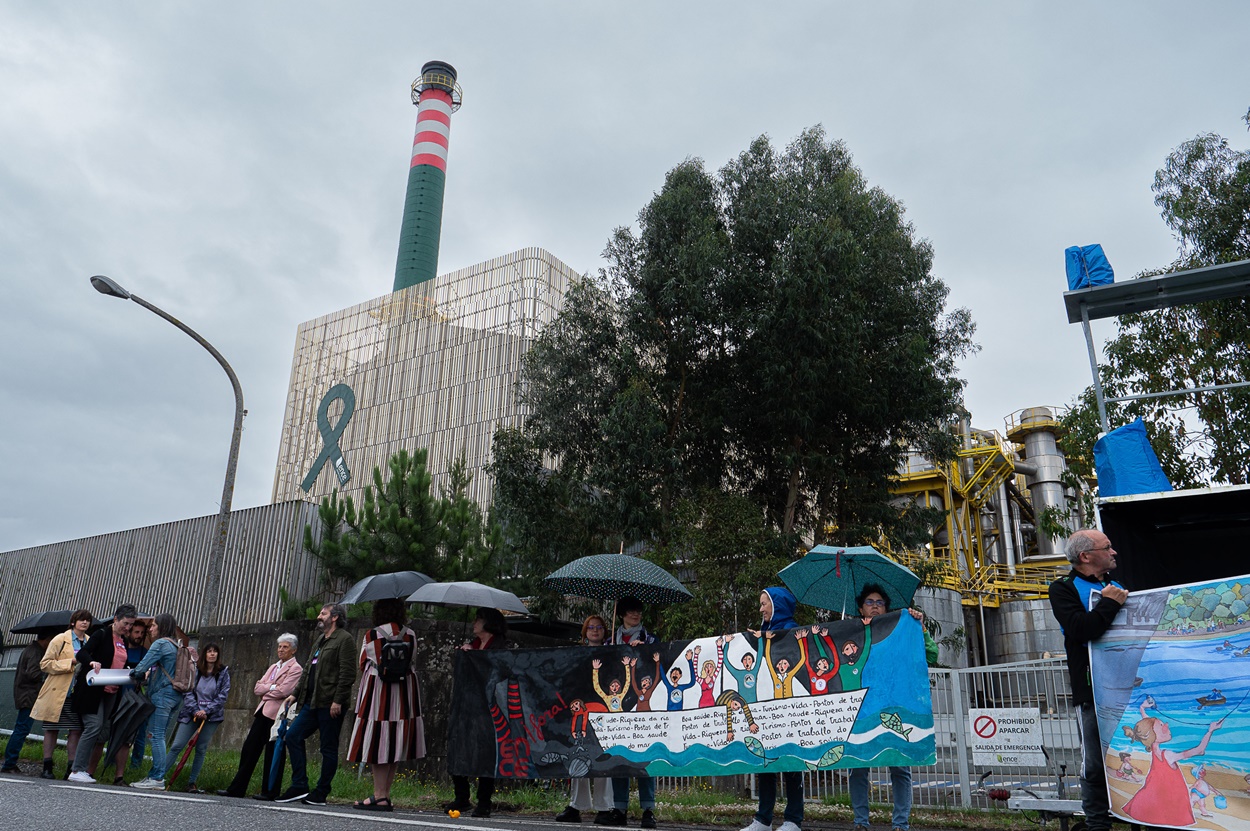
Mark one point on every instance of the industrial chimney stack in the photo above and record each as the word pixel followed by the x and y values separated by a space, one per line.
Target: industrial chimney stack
pixel 437 96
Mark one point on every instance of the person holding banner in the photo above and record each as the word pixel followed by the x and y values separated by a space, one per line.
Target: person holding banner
pixel 105 649
pixel 777 612
pixel 586 793
pixel 489 631
pixel 632 633
pixel 1092 557
pixel 873 601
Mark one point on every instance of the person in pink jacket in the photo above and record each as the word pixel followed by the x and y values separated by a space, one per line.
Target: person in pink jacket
pixel 272 687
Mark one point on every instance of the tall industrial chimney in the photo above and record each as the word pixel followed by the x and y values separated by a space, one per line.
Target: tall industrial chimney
pixel 437 96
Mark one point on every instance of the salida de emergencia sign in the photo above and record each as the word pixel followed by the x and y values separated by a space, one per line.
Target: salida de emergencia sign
pixel 1010 737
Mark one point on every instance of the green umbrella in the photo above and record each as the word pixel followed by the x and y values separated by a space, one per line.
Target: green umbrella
pixel 831 577
pixel 613 576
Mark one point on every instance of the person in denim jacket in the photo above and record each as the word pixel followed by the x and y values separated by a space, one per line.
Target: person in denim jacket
pixel 204 703
pixel 158 668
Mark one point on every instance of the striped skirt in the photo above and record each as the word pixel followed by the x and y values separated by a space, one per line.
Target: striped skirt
pixel 388 726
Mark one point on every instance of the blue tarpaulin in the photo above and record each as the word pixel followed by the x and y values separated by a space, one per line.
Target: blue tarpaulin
pixel 1087 266
pixel 1127 464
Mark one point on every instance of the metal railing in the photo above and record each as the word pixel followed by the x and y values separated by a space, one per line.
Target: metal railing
pixel 954 781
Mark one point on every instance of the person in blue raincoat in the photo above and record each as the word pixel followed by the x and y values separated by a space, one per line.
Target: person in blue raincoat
pixel 777 610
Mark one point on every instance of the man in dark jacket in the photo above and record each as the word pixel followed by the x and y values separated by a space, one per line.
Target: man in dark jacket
pixel 26 684
pixel 325 697
pixel 1092 558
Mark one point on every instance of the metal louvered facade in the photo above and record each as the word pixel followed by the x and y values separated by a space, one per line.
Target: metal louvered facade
pixel 434 365
pixel 162 568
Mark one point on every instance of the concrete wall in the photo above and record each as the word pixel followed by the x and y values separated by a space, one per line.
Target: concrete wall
pixel 249 650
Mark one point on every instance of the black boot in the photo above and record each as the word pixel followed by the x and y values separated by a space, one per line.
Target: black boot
pixel 47 770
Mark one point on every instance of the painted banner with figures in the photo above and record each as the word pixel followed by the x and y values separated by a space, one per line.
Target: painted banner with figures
pixel 837 695
pixel 1171 682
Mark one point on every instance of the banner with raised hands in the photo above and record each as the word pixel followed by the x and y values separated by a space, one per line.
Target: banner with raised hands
pixel 835 695
pixel 1171 679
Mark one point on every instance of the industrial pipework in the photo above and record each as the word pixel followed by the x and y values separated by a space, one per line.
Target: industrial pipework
pixel 436 95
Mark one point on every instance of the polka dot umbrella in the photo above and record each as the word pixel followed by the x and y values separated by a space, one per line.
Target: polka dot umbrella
pixel 613 576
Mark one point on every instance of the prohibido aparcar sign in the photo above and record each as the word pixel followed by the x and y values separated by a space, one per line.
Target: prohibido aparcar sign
pixel 1011 737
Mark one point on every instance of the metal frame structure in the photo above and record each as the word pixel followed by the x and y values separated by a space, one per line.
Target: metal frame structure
pixel 1179 288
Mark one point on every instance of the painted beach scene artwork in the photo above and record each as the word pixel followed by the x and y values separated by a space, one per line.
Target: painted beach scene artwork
pixel 1172 685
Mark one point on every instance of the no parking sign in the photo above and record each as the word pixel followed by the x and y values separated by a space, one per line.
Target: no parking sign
pixel 1011 737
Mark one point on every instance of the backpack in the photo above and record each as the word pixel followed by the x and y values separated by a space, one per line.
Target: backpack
pixel 395 660
pixel 183 679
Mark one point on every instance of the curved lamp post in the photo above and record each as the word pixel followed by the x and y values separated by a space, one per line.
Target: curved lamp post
pixel 217 552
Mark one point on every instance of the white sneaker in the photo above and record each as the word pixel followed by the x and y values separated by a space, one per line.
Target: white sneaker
pixel 789 826
pixel 82 776
pixel 149 784
pixel 756 825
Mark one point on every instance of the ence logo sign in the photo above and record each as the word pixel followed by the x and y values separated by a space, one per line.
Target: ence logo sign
pixel 1011 737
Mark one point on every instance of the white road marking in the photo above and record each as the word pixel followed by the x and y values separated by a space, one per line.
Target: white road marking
pixel 131 792
pixel 18 781
pixel 372 816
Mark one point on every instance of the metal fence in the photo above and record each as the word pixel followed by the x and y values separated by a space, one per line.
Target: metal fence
pixel 954 781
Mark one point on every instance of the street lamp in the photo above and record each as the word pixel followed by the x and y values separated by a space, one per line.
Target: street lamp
pixel 217 552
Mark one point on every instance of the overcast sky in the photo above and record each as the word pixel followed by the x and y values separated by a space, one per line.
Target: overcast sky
pixel 243 165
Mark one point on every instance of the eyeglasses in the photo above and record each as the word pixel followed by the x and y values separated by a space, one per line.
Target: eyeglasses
pixel 1107 547
pixel 871 602
pixel 593 626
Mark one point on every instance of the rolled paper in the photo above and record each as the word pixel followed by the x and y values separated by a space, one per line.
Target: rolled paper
pixel 112 677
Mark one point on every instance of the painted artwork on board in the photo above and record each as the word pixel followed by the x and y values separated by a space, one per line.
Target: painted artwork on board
pixel 835 695
pixel 1172 685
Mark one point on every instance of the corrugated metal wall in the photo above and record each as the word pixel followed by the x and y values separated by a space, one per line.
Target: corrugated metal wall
pixel 162 568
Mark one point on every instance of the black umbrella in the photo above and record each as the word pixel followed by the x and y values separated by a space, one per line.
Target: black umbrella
pixel 385 586
pixel 132 709
pixel 613 576
pixel 57 621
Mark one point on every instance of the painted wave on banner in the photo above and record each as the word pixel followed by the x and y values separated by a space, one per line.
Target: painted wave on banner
pixel 1172 685
pixel 842 694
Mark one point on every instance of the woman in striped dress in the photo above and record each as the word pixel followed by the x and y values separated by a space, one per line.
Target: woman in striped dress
pixel 388 727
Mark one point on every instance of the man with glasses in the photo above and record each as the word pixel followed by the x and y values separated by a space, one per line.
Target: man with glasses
pixel 1092 558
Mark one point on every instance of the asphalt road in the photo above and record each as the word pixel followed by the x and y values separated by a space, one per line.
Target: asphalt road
pixel 42 805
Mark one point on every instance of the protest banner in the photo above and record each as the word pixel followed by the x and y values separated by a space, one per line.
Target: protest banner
pixel 836 695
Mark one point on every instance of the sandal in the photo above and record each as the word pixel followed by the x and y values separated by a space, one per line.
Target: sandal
pixel 373 804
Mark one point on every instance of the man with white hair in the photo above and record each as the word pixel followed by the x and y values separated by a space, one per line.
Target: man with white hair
pixel 1092 557
pixel 272 688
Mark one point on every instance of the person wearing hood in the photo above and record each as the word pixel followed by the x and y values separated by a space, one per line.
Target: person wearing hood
pixel 777 610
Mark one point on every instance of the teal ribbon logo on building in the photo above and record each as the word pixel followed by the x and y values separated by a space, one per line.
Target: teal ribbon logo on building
pixel 330 450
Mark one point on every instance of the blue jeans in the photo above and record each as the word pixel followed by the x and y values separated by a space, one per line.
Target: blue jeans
pixel 21 728
pixel 141 745
pixel 900 789
pixel 766 783
pixel 167 704
pixel 646 793
pixel 183 735
pixel 310 721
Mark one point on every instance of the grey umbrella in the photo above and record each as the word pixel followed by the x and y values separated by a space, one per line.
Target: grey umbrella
pixel 468 593
pixel 384 586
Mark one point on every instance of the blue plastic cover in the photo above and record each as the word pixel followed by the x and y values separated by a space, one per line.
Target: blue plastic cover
pixel 1126 463
pixel 1087 266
